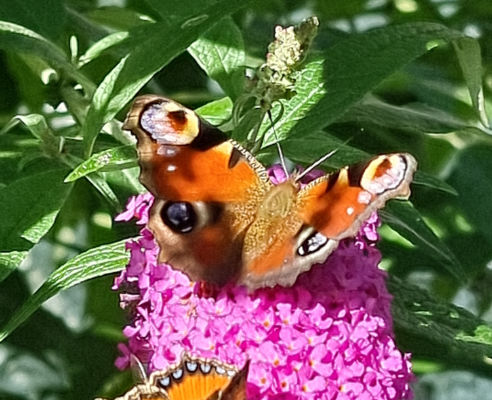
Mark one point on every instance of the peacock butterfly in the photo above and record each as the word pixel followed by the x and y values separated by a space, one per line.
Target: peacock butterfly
pixel 218 218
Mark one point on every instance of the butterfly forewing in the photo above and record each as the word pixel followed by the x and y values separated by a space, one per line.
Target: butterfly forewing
pixel 188 159
pixel 336 205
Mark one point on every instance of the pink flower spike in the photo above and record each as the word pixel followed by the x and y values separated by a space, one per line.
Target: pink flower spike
pixel 329 336
pixel 317 384
pixel 137 207
pixel 123 361
pixel 277 174
pixel 295 341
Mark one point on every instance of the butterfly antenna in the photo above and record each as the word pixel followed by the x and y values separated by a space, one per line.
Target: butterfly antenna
pixel 320 161
pixel 279 148
pixel 315 164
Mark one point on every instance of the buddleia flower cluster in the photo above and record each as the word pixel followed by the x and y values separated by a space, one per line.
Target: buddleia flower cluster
pixel 329 336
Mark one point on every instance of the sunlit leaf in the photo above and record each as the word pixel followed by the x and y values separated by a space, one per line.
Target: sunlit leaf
pixel 216 112
pixel 98 113
pixel 220 53
pixel 470 59
pixel 9 261
pixel 128 77
pixel 101 46
pixel 114 158
pixel 102 260
pixel 343 74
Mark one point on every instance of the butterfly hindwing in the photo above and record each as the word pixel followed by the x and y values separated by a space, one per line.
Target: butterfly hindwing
pixel 192 379
pixel 198 379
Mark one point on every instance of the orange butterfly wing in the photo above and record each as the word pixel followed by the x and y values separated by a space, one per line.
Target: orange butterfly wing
pixel 192 379
pixel 336 205
pixel 201 380
pixel 183 158
pixel 325 211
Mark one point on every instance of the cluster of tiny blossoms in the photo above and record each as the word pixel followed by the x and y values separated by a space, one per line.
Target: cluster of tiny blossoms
pixel 327 337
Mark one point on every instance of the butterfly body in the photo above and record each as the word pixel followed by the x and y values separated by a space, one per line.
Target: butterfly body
pixel 217 216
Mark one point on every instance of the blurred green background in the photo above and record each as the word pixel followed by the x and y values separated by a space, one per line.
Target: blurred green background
pixel 440 257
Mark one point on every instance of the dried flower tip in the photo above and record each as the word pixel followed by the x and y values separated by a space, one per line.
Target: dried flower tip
pixel 290 45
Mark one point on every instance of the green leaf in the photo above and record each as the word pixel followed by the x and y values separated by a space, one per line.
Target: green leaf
pixel 39 128
pixel 29 208
pixel 112 159
pixel 181 9
pixel 472 178
pixel 99 111
pixel 105 190
pixel 430 181
pixel 99 261
pixel 309 148
pixel 470 60
pixel 132 73
pixel 118 17
pixel 414 117
pixel 216 112
pixel 101 46
pixel 127 178
pixel 9 262
pixel 407 221
pixel 18 39
pixel 437 329
pixel 13 149
pixel 32 15
pixel 331 83
pixel 220 53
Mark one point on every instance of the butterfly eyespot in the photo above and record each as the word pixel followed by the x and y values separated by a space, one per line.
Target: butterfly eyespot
pixel 312 244
pixel 180 216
